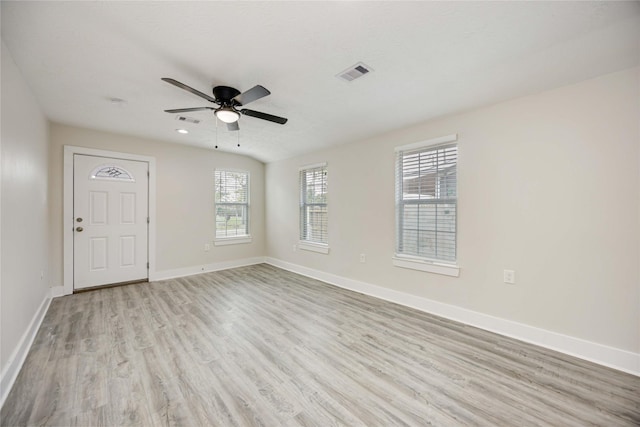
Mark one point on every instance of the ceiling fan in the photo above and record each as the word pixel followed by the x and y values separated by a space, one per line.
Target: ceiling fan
pixel 228 100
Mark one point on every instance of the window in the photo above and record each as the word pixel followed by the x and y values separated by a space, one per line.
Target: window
pixel 232 206
pixel 112 173
pixel 313 208
pixel 426 202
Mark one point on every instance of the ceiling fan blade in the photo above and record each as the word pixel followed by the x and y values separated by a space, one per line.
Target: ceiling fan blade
pixel 184 110
pixel 189 89
pixel 264 116
pixel 251 95
pixel 233 126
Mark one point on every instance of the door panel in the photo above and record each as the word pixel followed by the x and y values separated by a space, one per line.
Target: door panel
pixel 98 253
pixel 127 208
pixel 110 207
pixel 98 209
pixel 127 251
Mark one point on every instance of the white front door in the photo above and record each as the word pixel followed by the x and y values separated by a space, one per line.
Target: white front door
pixel 110 210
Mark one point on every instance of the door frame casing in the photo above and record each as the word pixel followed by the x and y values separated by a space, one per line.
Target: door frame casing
pixel 67 214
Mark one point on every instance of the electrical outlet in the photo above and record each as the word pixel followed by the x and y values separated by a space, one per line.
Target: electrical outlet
pixel 207 247
pixel 363 258
pixel 509 276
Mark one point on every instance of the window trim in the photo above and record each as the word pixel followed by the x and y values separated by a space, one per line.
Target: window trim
pixel 428 143
pixel 223 241
pixel 321 248
pixel 308 245
pixel 425 264
pixel 233 240
pixel 413 262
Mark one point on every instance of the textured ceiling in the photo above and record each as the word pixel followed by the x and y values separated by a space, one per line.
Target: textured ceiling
pixel 429 59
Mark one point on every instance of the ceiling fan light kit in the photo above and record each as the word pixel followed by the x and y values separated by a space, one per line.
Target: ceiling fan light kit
pixel 227 115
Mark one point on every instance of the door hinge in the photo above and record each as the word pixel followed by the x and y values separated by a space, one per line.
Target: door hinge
pixel 148 174
pixel 147 266
pixel 148 220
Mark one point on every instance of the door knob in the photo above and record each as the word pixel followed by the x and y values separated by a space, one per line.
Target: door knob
pixel 79 228
pixel 79 219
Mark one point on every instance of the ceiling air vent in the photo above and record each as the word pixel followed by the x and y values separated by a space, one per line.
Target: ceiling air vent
pixel 187 119
pixel 354 72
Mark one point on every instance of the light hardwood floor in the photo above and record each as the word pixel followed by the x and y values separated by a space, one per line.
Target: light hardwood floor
pixel 261 346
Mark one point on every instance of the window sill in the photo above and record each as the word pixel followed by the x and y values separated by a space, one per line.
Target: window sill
pixel 222 241
pixel 426 265
pixel 314 247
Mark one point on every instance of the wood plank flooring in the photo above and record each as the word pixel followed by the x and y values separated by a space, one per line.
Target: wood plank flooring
pixel 262 346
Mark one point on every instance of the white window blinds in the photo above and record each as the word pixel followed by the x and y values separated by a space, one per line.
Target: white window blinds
pixel 232 203
pixel 426 201
pixel 313 204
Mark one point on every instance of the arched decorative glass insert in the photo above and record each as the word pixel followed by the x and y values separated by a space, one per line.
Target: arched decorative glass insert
pixel 112 173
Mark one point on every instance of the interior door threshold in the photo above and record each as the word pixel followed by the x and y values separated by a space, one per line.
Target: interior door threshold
pixel 110 285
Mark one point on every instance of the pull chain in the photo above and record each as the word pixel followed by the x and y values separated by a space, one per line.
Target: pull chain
pixel 238 132
pixel 216 133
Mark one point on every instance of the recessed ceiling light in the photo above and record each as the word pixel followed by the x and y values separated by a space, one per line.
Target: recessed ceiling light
pixel 182 131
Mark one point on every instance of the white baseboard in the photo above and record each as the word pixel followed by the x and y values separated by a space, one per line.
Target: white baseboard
pixel 11 370
pixel 598 353
pixel 198 269
pixel 57 291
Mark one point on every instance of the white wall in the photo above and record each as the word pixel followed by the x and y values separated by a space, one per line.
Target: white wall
pixel 24 217
pixel 185 212
pixel 548 186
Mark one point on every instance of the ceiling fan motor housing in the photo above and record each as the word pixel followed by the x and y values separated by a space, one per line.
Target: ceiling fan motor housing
pixel 225 94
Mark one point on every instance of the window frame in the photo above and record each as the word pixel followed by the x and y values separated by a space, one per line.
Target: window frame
pixel 304 243
pixel 238 239
pixel 412 261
